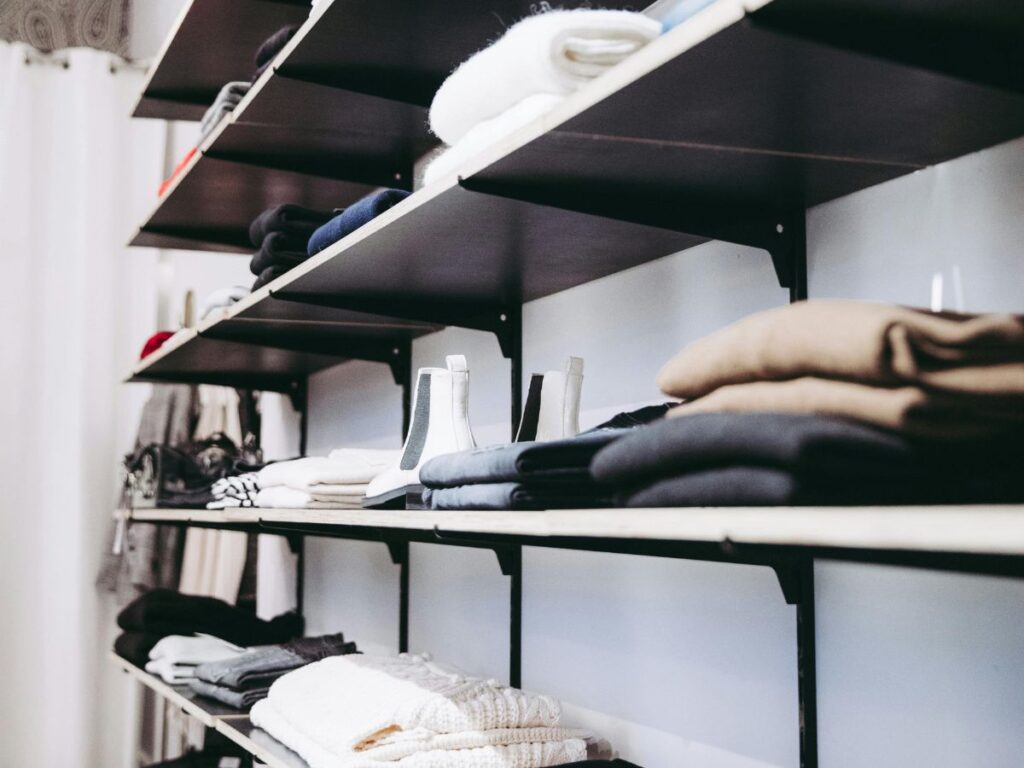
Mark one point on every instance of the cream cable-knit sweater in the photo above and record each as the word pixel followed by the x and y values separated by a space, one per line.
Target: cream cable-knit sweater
pixel 383 708
pixel 480 749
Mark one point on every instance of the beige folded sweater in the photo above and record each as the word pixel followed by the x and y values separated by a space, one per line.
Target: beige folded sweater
pixel 857 341
pixel 910 410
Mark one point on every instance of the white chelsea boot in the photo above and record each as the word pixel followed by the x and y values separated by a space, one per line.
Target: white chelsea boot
pixel 440 424
pixel 552 409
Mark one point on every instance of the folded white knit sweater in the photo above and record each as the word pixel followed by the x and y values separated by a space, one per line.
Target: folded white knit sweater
pixel 554 52
pixel 341 466
pixel 368 710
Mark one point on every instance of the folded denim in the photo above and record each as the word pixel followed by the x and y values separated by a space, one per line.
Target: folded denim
pixel 261 666
pixel 295 220
pixel 504 496
pixel 352 218
pixel 528 462
pixel 237 699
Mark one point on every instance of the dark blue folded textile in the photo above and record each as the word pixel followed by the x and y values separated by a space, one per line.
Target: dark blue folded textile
pixel 353 217
pixel 295 221
pixel 275 252
pixel 499 496
pixel 557 461
pixel 272 46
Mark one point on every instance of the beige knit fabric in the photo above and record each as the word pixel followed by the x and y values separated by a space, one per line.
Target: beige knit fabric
pixel 857 341
pixel 910 410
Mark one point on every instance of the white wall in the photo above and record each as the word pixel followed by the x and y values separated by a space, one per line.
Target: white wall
pixel 693 664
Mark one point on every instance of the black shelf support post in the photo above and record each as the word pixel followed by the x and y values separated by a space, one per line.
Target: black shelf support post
pixel 807 667
pixel 399 551
pixel 510 338
pixel 401 370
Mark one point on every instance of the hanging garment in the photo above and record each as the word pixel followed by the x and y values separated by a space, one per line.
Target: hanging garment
pixel 214 560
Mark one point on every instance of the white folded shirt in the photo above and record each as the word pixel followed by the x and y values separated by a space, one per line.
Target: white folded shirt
pixel 283 497
pixel 343 466
pixel 175 657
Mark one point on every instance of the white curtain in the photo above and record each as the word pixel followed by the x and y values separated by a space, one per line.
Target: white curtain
pixel 73 171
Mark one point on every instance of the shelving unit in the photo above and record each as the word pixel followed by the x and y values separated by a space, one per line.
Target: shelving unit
pixel 206 711
pixel 727 127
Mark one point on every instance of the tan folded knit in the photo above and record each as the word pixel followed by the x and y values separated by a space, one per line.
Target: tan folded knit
pixel 856 341
pixel 910 410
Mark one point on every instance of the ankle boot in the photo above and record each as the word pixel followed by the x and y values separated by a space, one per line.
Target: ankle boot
pixel 440 424
pixel 552 409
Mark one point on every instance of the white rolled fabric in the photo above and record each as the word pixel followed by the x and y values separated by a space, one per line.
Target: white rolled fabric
pixel 554 52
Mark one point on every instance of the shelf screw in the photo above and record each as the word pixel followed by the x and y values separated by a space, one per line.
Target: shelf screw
pixel 503 317
pixel 779 228
pixel 394 351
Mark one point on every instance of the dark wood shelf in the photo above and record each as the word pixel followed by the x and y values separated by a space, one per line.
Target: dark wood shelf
pixel 212 43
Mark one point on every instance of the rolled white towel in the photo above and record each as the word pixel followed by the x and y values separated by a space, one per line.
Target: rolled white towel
pixel 554 52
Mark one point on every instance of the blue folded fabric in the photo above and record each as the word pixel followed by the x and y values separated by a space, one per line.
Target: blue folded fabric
pixel 352 218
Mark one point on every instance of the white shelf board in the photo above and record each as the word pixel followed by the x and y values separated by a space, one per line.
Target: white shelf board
pixel 206 711
pixel 967 529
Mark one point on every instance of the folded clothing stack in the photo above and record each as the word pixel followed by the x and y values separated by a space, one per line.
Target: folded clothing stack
pixel 769 459
pixel 164 612
pixel 407 711
pixel 527 475
pixel 526 73
pixel 241 681
pixel 281 234
pixel 229 97
pixel 835 402
pixel 335 481
pixel 175 657
pixel 270 47
pixel 361 212
pixel 933 375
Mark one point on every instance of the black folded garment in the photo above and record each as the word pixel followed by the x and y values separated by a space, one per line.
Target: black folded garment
pixel 272 46
pixel 533 463
pixel 816 444
pixel 598 764
pixel 165 612
pixel 294 220
pixel 755 459
pixel 275 253
pixel 196 498
pixel 135 646
pixel 498 496
pixel 268 275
